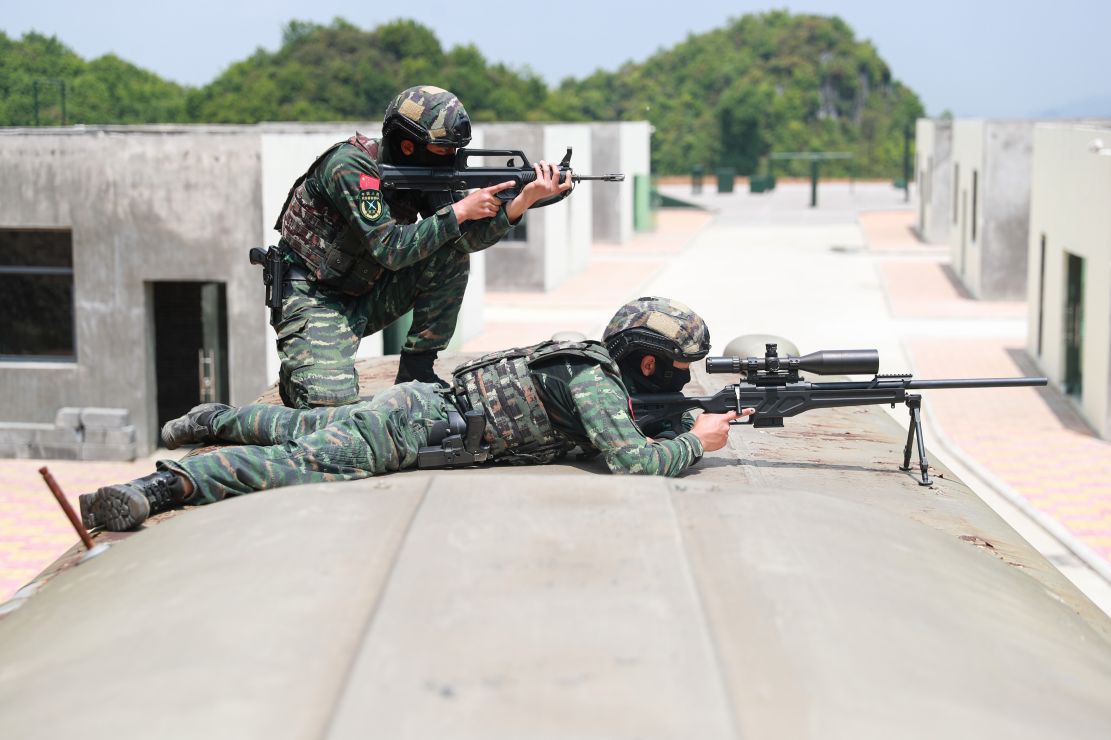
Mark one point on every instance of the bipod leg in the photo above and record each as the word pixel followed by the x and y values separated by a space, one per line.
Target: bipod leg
pixel 914 404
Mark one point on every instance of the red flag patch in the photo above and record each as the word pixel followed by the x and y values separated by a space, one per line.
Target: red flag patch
pixel 366 182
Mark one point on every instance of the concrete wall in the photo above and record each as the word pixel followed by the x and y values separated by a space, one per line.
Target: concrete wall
pixel 559 236
pixel 990 255
pixel 934 173
pixel 1008 147
pixel 625 147
pixel 143 204
pixel 1070 193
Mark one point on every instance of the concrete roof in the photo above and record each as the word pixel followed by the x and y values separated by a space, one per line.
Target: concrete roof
pixel 795 584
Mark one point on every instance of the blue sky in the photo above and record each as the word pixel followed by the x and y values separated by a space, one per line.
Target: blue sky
pixel 975 58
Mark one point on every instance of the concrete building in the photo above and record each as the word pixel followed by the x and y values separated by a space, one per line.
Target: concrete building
pixel 623 146
pixel 1069 264
pixel 991 188
pixel 934 174
pixel 552 243
pixel 123 250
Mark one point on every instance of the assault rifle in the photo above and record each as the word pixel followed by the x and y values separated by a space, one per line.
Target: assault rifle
pixel 772 385
pixel 439 183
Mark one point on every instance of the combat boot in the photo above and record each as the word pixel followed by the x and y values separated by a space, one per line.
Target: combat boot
pixel 193 427
pixel 417 366
pixel 125 506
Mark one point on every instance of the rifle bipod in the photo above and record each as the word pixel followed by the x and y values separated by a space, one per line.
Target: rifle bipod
pixel 914 404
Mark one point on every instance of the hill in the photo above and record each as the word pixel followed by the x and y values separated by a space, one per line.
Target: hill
pixel 767 82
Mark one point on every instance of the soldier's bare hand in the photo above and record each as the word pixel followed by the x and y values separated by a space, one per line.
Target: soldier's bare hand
pixel 713 429
pixel 482 203
pixel 546 184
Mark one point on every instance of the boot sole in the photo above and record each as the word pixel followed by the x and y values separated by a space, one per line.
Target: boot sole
pixel 118 509
pixel 88 518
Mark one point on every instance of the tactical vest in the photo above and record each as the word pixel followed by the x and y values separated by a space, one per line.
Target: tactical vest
pixel 335 254
pixel 518 428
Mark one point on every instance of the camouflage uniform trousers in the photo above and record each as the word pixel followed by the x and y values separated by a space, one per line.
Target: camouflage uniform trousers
pixel 285 447
pixel 321 328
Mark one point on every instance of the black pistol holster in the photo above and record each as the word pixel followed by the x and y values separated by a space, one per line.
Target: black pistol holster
pixel 273 277
pixel 459 439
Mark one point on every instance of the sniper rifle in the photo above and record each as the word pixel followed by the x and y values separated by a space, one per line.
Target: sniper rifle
pixel 772 385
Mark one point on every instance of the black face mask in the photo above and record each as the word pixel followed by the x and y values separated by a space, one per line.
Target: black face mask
pixel 420 157
pixel 665 378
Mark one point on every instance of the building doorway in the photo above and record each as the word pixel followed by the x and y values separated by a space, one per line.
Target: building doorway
pixel 1074 325
pixel 190 346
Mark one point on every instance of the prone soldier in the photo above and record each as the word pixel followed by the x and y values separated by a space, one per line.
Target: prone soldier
pixel 549 399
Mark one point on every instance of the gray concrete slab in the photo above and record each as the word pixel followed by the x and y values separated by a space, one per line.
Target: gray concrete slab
pixel 793 585
pixel 238 620
pixel 826 611
pixel 559 609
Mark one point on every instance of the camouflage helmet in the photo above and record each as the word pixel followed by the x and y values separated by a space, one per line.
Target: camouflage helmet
pixel 658 326
pixel 428 115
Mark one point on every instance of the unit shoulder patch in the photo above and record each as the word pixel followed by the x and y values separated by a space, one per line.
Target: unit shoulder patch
pixel 370 204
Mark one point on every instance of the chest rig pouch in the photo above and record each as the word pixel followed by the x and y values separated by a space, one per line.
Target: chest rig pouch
pixel 499 384
pixel 314 230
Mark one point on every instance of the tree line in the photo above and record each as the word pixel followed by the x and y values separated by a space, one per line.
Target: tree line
pixel 765 82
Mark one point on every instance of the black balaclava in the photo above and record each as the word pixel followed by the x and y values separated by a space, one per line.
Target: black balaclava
pixel 666 378
pixel 420 157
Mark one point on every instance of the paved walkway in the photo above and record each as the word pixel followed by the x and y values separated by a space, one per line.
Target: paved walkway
pixel 848 274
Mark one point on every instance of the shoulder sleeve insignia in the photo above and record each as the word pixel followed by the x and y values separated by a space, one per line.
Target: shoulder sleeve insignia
pixel 370 197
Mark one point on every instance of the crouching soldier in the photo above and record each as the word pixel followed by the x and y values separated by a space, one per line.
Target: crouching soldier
pixel 536 403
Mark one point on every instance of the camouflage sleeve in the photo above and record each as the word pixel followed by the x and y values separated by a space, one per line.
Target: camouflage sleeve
pixel 352 182
pixel 688 421
pixel 483 233
pixel 603 408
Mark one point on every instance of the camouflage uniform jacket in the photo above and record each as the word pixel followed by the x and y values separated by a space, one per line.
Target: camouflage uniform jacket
pixel 571 394
pixel 339 224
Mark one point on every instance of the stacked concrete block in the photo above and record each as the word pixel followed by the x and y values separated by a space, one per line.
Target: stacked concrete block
pixel 76 434
pixel 108 434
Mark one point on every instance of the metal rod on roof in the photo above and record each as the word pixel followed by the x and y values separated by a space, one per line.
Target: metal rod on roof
pixel 64 503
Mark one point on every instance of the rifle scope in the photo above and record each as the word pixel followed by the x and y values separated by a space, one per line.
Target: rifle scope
pixel 823 362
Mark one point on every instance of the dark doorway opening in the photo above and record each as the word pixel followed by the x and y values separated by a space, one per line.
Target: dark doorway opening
pixel 1074 324
pixel 190 346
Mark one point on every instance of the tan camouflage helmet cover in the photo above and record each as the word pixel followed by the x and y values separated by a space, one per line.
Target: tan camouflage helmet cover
pixel 657 325
pixel 428 114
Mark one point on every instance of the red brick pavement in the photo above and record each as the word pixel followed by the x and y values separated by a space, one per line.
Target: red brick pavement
pixel 33 529
pixel 1032 439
